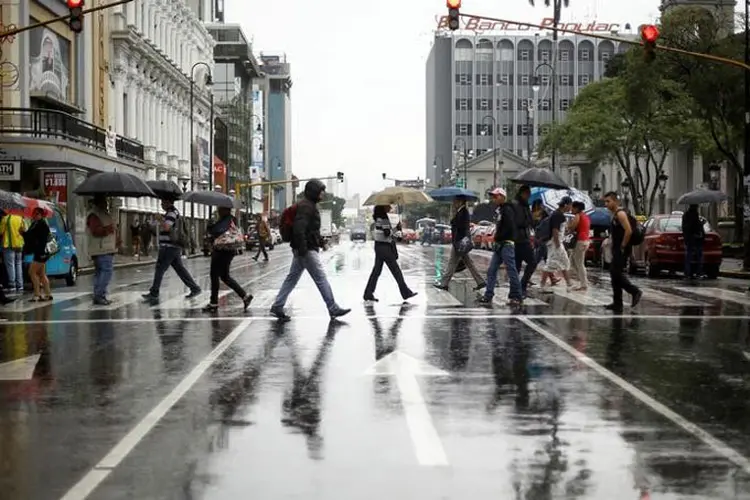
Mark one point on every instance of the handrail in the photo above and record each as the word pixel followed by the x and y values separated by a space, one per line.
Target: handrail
pixel 43 123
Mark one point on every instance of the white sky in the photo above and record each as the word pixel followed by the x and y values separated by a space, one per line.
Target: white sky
pixel 358 67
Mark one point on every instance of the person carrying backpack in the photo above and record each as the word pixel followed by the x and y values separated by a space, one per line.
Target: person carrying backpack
pixel 172 237
pixel 300 226
pixel 624 233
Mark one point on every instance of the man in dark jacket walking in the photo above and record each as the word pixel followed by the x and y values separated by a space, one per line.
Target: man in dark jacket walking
pixel 504 250
pixel 524 223
pixel 306 243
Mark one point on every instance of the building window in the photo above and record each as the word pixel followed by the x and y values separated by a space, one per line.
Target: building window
pixel 584 55
pixel 484 104
pixel 484 79
pixel 463 104
pixel 484 129
pixel 544 105
pixel 544 79
pixel 463 129
pixel 506 54
pixel 565 55
pixel 543 129
pixel 523 104
pixel 564 104
pixel 503 79
pixel 523 55
pixel 583 79
pixel 505 129
pixel 505 104
pixel 523 79
pixel 605 56
pixel 523 129
pixel 463 79
pixel 544 55
pixel 565 80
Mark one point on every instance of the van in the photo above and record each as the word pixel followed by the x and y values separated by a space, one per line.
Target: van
pixel 64 264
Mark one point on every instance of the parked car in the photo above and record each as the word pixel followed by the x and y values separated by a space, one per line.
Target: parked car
pixel 358 233
pixel 64 264
pixel 442 234
pixel 663 248
pixel 410 236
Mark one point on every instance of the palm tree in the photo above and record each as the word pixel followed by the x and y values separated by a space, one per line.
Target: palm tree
pixel 547 3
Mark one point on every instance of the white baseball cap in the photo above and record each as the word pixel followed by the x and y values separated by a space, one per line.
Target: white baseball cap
pixel 498 191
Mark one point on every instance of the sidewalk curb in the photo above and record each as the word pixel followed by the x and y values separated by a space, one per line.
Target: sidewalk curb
pixel 742 275
pixel 128 265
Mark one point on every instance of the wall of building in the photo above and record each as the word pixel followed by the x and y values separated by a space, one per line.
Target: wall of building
pixel 277 147
pixel 439 127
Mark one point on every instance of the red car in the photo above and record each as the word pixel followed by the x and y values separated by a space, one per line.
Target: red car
pixel 663 248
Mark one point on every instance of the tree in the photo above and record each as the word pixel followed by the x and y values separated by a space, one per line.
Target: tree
pixel 633 120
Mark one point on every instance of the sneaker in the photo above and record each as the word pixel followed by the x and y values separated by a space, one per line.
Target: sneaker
pixel 102 302
pixel 636 298
pixel 246 301
pixel 440 286
pixel 280 314
pixel 370 299
pixel 193 294
pixel 339 312
pixel 483 299
pixel 150 296
pixel 210 308
pixel 614 308
pixel 481 286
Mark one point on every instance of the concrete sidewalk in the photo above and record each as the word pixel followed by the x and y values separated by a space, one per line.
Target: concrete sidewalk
pixel 128 261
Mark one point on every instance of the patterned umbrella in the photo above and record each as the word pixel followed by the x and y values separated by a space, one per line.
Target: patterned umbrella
pixel 398 195
pixel 10 202
pixel 551 197
pixel 31 204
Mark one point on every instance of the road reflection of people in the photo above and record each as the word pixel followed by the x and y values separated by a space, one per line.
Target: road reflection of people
pixel 171 335
pixel 510 360
pixel 385 345
pixel 302 405
pixel 460 343
pixel 105 361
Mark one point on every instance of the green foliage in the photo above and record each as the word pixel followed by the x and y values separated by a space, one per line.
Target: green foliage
pixel 332 203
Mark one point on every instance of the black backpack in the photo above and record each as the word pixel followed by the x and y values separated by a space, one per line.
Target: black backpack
pixel 638 233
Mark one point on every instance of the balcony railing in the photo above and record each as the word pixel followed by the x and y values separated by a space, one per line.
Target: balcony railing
pixel 52 124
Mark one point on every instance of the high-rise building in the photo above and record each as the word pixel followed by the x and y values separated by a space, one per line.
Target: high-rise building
pixel 277 86
pixel 481 93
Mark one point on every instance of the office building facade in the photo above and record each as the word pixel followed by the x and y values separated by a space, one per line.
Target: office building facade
pixel 480 92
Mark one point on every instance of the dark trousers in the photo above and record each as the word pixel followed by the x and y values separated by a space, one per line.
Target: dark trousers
pixel 525 253
pixel 386 254
pixel 620 281
pixel 221 260
pixel 693 254
pixel 171 256
pixel 261 248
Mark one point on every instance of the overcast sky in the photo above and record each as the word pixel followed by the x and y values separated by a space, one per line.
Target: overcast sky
pixel 358 101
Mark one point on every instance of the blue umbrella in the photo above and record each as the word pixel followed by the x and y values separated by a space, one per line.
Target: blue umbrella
pixel 451 193
pixel 551 197
pixel 600 217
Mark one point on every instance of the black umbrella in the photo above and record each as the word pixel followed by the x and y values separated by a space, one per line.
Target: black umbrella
pixel 540 177
pixel 114 184
pixel 11 202
pixel 701 196
pixel 213 198
pixel 165 189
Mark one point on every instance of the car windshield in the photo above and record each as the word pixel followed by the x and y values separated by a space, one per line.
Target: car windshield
pixel 674 225
pixel 358 229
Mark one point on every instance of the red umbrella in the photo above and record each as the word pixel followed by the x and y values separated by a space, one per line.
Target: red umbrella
pixel 32 204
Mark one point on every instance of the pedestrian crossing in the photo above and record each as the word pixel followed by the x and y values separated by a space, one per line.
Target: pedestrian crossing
pixel 718 294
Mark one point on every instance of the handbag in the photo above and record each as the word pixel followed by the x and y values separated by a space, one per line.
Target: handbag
pixel 231 239
pixel 464 245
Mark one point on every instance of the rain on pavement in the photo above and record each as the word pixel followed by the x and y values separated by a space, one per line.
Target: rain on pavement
pixel 438 399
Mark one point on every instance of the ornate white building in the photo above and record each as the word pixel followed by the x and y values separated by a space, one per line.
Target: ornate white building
pixel 157 45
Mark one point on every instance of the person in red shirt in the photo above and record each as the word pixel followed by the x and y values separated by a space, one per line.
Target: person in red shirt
pixel 580 225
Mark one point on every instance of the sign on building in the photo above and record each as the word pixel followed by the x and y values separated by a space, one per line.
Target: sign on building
pixel 10 171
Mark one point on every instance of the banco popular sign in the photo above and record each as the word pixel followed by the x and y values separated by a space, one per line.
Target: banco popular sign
pixel 480 25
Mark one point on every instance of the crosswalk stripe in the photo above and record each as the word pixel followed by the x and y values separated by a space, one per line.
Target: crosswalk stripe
pixel 669 300
pixel 501 298
pixel 25 305
pixel 437 297
pixel 180 302
pixel 119 299
pixel 717 294
pixel 583 298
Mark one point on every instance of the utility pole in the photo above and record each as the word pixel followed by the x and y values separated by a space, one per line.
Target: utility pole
pixel 746 145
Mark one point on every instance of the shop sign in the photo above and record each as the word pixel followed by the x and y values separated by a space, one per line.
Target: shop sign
pixel 480 25
pixel 10 171
pixel 56 186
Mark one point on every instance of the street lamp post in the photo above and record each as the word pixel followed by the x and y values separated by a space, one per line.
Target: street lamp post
pixel 494 145
pixel 714 170
pixel 597 192
pixel 435 166
pixel 529 130
pixel 466 167
pixel 662 179
pixel 625 185
pixel 535 88
pixel 208 83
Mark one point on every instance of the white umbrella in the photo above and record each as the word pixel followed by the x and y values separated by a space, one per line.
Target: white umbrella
pixel 397 195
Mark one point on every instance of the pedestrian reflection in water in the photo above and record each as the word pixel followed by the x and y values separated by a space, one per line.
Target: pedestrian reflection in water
pixel 301 407
pixel 690 327
pixel 105 361
pixel 618 343
pixel 385 344
pixel 460 344
pixel 510 363
pixel 171 337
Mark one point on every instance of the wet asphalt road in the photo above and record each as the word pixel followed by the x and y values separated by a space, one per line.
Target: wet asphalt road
pixel 439 399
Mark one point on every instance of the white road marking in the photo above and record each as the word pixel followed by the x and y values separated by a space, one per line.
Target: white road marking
pixel 427 443
pixel 717 445
pixel 121 450
pixel 195 303
pixel 501 298
pixel 119 299
pixel 440 298
pixel 25 305
pixel 588 298
pixel 670 300
pixel 717 294
pixel 19 369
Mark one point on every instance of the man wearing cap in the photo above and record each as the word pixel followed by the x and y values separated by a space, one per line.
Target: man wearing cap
pixel 504 250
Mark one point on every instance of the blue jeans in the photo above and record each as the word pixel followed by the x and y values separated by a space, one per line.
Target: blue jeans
pixel 104 267
pixel 310 262
pixel 504 255
pixel 14 268
pixel 171 256
pixel 694 253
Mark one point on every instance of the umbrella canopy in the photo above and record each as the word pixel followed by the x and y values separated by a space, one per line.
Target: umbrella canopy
pixel 31 205
pixel 398 195
pixel 114 184
pixel 600 217
pixel 10 202
pixel 551 197
pixel 213 198
pixel 451 193
pixel 540 177
pixel 165 189
pixel 701 196
pixel 426 220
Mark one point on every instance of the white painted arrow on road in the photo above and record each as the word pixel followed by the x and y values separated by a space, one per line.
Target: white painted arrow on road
pixel 19 369
pixel 427 443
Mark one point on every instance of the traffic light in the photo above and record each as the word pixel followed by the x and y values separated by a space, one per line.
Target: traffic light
pixel 76 15
pixel 649 34
pixel 453 6
pixel 340 176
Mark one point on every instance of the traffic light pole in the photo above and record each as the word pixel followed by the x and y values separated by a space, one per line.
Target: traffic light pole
pixel 22 29
pixel 746 145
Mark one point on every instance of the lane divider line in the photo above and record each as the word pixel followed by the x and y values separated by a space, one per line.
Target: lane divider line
pixel 716 444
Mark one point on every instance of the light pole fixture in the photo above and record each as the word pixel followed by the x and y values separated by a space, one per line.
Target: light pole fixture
pixel 662 180
pixel 535 87
pixel 465 153
pixel 184 181
pixel 597 192
pixel 625 185
pixel 208 83
pixel 713 172
pixel 435 167
pixel 494 144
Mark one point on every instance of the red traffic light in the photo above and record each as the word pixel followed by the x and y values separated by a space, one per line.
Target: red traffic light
pixel 649 33
pixel 453 4
pixel 74 4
